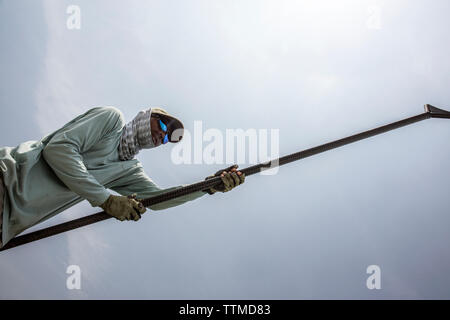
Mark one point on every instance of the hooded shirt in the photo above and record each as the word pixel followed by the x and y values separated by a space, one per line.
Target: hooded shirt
pixel 77 162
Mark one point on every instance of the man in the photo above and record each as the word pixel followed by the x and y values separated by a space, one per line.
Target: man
pixel 88 155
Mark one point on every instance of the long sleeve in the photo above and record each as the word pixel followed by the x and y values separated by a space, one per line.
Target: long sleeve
pixel 64 151
pixel 144 187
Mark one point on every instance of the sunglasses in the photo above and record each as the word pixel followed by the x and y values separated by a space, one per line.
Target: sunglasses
pixel 163 127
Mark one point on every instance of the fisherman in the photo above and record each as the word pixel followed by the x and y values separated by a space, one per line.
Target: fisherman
pixel 90 154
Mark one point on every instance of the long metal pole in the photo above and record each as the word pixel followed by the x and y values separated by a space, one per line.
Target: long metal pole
pixel 430 112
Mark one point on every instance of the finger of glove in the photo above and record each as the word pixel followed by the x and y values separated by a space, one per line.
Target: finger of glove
pixel 131 213
pixel 226 179
pixel 228 182
pixel 138 206
pixel 236 179
pixel 223 186
pixel 232 183
pixel 218 173
pixel 134 214
pixel 219 187
pixel 132 196
pixel 242 178
pixel 231 167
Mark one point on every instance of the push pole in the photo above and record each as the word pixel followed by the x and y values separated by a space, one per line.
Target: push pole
pixel 430 112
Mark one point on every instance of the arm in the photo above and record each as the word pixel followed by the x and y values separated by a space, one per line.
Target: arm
pixel 63 152
pixel 144 187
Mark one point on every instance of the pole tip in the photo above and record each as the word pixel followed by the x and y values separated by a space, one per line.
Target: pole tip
pixel 436 112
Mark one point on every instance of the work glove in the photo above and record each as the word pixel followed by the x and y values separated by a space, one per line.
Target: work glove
pixel 124 207
pixel 230 179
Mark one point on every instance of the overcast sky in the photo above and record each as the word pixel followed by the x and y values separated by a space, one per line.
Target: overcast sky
pixel 315 70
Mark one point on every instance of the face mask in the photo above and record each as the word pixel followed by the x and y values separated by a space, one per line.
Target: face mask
pixel 136 135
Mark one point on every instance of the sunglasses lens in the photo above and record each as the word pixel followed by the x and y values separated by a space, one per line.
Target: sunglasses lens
pixel 163 126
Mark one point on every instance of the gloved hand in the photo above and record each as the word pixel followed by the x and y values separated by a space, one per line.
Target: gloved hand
pixel 124 207
pixel 231 178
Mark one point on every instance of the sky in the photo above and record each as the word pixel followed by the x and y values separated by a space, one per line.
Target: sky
pixel 314 70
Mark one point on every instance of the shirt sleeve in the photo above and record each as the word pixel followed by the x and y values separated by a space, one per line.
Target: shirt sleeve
pixel 63 152
pixel 144 187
